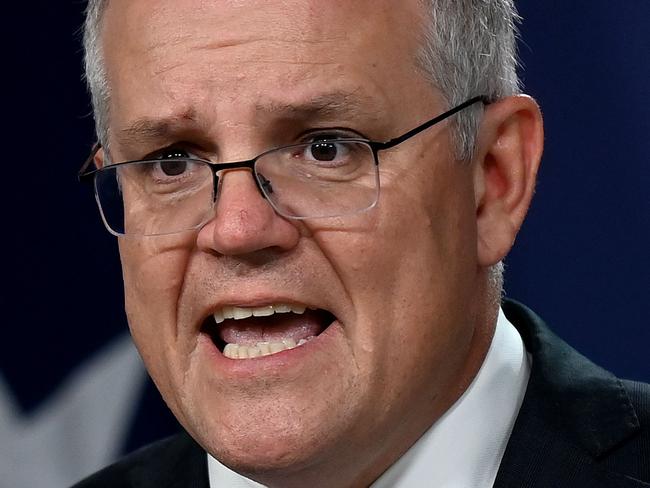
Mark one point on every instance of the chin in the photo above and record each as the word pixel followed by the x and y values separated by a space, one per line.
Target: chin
pixel 258 438
pixel 255 453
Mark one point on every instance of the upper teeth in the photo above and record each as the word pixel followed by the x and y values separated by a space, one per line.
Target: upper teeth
pixel 239 313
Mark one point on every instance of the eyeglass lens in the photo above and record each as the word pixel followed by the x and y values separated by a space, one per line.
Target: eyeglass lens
pixel 314 180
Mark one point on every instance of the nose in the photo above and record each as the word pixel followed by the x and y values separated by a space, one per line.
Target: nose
pixel 244 220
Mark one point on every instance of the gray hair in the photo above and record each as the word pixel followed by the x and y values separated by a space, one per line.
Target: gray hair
pixel 469 49
pixel 95 68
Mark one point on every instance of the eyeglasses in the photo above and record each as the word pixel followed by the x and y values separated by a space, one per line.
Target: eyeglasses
pixel 317 179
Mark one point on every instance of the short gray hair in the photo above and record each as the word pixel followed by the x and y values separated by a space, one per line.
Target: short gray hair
pixel 469 49
pixel 95 68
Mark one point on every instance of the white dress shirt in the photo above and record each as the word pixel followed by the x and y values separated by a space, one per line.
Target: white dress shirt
pixel 463 449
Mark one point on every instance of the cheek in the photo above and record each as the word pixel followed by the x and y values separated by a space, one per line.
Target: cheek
pixel 153 271
pixel 410 274
pixel 417 243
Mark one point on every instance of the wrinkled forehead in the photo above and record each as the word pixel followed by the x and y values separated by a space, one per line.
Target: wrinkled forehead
pixel 166 58
pixel 151 26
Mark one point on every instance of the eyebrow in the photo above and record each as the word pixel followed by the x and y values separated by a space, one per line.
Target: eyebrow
pixel 147 128
pixel 343 105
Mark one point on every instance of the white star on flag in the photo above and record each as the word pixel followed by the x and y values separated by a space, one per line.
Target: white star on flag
pixel 81 427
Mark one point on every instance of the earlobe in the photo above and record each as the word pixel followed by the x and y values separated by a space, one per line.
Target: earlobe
pixel 509 152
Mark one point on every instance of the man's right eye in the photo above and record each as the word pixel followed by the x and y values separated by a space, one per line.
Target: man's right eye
pixel 173 168
pixel 176 166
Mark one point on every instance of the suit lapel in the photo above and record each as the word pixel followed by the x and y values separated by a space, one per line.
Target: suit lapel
pixel 573 414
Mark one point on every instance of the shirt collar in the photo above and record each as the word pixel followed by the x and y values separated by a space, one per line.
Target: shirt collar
pixel 465 446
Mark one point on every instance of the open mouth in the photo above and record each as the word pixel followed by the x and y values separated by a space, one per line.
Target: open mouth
pixel 251 332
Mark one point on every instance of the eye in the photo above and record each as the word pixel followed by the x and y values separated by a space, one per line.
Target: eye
pixel 327 148
pixel 326 151
pixel 173 161
pixel 173 168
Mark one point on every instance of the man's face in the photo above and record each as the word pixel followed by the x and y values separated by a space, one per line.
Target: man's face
pixel 226 80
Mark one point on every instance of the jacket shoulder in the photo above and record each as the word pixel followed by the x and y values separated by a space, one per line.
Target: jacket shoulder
pixel 578 425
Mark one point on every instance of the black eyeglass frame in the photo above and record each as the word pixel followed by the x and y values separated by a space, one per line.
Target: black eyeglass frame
pixel 86 176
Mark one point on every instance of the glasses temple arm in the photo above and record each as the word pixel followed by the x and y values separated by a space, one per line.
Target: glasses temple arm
pixel 398 140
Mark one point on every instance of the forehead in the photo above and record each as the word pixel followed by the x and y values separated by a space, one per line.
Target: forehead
pixel 230 20
pixel 155 30
pixel 194 52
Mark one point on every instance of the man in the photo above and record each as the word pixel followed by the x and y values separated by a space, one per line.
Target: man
pixel 313 201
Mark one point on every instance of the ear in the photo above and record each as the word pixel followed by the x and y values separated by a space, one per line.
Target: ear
pixel 510 148
pixel 99 158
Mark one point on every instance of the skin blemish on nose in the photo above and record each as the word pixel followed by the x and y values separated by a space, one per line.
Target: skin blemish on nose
pixel 243 217
pixel 242 224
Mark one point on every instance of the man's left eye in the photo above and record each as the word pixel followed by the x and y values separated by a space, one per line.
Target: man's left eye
pixel 326 151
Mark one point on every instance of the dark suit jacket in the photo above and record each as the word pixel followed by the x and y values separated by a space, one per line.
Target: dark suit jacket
pixel 579 427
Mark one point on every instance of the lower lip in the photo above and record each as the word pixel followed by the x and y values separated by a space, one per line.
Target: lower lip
pixel 243 368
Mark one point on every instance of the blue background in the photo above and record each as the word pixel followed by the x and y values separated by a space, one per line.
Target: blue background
pixel 581 260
